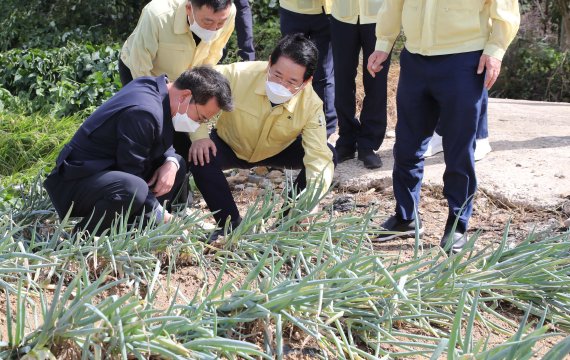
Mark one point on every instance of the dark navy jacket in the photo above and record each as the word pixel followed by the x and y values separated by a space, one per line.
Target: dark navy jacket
pixel 131 132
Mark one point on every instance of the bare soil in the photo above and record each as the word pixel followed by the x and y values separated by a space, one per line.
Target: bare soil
pixel 524 183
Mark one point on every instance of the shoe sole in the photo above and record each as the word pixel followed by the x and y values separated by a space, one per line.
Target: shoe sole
pixel 399 235
pixel 345 158
pixel 372 167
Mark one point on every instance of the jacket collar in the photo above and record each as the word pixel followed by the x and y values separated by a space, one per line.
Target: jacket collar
pixel 167 126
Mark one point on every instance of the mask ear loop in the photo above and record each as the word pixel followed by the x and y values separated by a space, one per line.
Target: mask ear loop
pixel 188 106
pixel 193 16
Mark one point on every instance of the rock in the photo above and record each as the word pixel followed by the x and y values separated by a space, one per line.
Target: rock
pixel 266 184
pixel 252 191
pixel 243 172
pixel 276 181
pixel 255 179
pixel 236 179
pixel 344 203
pixel 567 223
pixel 274 175
pixel 239 187
pixel 261 170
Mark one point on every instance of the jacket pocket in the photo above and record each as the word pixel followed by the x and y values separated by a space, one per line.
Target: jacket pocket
pixel 173 56
pixel 457 21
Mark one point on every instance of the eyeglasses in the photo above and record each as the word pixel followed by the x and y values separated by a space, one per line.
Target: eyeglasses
pixel 288 84
pixel 202 119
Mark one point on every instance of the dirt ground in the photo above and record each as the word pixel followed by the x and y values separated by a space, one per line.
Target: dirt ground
pixel 525 181
pixel 526 178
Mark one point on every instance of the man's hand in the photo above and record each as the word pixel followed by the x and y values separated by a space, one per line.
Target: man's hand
pixel 200 151
pixel 163 178
pixel 167 217
pixel 375 62
pixel 493 67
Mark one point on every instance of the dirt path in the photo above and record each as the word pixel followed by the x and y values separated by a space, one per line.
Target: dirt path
pixel 529 164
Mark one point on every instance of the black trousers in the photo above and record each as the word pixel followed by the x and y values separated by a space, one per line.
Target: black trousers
pixel 244 30
pixel 446 91
pixel 99 198
pixel 212 182
pixel 317 29
pixel 367 132
pixel 124 73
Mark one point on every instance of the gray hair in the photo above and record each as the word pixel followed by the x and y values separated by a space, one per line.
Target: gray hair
pixel 206 83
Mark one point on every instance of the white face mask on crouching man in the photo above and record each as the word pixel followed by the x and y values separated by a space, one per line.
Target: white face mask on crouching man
pixel 184 123
pixel 204 34
pixel 277 93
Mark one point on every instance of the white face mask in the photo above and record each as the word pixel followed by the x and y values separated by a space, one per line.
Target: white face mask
pixel 204 34
pixel 182 122
pixel 277 93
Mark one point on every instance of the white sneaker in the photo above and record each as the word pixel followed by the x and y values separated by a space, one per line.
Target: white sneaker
pixel 482 148
pixel 434 146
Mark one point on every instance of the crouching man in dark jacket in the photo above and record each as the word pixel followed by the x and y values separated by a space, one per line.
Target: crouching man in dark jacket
pixel 122 157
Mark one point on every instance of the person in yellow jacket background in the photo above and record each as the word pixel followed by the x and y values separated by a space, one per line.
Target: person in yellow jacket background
pixel 174 35
pixel 453 51
pixel 277 121
pixel 311 17
pixel 353 26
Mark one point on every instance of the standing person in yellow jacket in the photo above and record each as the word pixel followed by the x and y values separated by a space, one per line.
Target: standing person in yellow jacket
pixel 311 17
pixel 175 35
pixel 453 51
pixel 277 121
pixel 353 26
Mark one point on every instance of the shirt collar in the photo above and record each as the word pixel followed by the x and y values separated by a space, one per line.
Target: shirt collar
pixel 181 20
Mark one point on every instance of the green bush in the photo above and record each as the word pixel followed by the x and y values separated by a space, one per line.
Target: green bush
pixel 61 81
pixel 266 37
pixel 42 24
pixel 534 71
pixel 266 32
pixel 48 24
pixel 264 10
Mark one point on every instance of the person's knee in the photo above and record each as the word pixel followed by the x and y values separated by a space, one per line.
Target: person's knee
pixel 203 169
pixel 132 195
pixel 406 154
pixel 181 173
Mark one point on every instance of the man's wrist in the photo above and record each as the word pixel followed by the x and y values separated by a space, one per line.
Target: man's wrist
pixel 174 160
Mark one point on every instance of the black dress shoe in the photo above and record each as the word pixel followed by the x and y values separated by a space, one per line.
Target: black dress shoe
pixel 370 160
pixel 219 232
pixel 344 153
pixel 395 227
pixel 458 241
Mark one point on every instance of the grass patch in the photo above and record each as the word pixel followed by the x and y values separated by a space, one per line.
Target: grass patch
pixel 30 143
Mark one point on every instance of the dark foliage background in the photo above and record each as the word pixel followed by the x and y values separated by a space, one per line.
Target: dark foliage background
pixel 61 56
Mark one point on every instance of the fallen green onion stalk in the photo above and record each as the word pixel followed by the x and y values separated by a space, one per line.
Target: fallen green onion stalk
pixel 271 287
